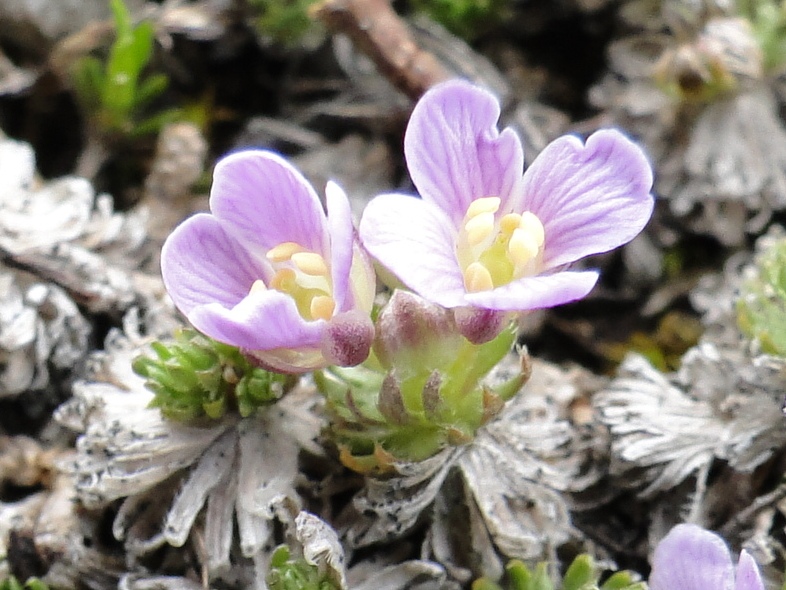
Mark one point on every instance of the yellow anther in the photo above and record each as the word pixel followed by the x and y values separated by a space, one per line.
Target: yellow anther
pixel 284 280
pixel 483 205
pixel 310 263
pixel 479 227
pixel 523 247
pixel 257 287
pixel 477 278
pixel 283 251
pixel 322 307
pixel 531 225
pixel 509 222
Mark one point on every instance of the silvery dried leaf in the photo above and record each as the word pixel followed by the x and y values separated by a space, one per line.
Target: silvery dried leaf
pixel 517 473
pixel 722 404
pixel 408 575
pixel 320 546
pixel 234 468
pixel 41 331
pixel 62 232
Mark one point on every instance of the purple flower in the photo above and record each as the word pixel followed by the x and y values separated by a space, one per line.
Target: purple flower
pixel 691 558
pixel 270 272
pixel 483 235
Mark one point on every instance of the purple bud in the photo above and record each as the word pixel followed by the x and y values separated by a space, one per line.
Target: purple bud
pixel 347 339
pixel 480 325
pixel 413 334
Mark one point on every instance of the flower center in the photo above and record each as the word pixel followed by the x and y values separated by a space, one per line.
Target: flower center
pixel 493 252
pixel 304 276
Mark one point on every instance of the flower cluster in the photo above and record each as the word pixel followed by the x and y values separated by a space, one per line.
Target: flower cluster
pixel 271 273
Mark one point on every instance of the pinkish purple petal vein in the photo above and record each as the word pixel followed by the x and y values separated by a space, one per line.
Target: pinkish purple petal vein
pixel 270 272
pixel 487 238
pixel 691 558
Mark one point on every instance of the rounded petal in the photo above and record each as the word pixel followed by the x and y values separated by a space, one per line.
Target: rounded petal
pixel 748 576
pixel 455 153
pixel 691 558
pixel 342 238
pixel 536 292
pixel 590 197
pixel 261 321
pixel 201 263
pixel 416 242
pixel 263 200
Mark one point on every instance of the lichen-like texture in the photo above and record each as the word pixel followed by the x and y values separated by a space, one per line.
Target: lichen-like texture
pixel 691 558
pixel 269 272
pixel 484 236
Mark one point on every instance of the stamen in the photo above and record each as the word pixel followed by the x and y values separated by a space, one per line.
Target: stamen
pixel 523 247
pixel 283 251
pixel 509 222
pixel 483 205
pixel 284 280
pixel 479 227
pixel 310 263
pixel 533 226
pixel 477 278
pixel 322 307
pixel 257 287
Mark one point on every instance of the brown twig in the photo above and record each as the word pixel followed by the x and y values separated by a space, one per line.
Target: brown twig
pixel 380 33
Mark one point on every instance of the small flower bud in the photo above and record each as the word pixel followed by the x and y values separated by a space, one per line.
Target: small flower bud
pixel 480 325
pixel 414 335
pixel 347 339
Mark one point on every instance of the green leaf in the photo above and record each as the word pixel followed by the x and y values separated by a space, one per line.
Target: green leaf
pixel 154 123
pixel 581 573
pixel 150 88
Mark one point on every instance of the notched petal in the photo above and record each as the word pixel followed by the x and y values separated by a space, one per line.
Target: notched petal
pixel 591 198
pixel 455 153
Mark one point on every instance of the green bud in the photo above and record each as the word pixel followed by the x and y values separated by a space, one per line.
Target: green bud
pixel 195 378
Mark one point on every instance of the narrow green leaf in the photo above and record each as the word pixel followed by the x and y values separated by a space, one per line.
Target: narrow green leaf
pixel 582 572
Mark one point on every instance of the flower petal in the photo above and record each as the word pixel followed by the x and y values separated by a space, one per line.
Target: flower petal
pixel 265 201
pixel 748 576
pixel 590 197
pixel 261 321
pixel 455 153
pixel 342 237
pixel 414 241
pixel 201 263
pixel 536 292
pixel 691 558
